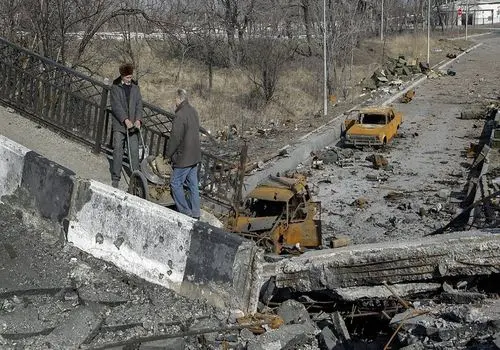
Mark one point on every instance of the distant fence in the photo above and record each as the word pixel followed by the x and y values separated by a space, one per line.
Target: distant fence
pixel 78 106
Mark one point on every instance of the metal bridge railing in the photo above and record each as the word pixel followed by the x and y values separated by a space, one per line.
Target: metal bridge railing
pixel 79 107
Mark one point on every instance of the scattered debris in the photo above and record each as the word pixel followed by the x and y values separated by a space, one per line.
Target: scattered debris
pixel 394 195
pixel 378 161
pixel 455 296
pixel 424 67
pixel 317 164
pixel 472 114
pixel 360 203
pixel 340 241
pixel 346 162
pixel 408 96
pixel 377 177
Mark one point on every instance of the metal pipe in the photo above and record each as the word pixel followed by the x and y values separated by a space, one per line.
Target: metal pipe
pixel 188 333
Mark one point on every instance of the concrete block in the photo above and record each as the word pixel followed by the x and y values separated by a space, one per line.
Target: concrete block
pixel 49 186
pixel 327 340
pixel 453 254
pixel 287 337
pixel 154 239
pixel 293 312
pixel 11 165
pixel 80 325
pixel 219 268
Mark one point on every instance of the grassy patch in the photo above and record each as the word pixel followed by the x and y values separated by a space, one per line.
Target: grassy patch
pixel 233 99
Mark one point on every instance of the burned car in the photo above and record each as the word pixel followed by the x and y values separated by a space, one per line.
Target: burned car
pixel 280 215
pixel 371 126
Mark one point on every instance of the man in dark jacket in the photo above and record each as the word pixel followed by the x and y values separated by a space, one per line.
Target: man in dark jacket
pixel 184 150
pixel 126 104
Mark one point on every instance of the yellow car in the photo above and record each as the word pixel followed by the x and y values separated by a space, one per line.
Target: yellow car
pixel 372 126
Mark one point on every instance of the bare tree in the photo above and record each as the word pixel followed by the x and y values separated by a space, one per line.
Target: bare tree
pixel 10 21
pixel 306 11
pixel 269 48
pixel 347 22
pixel 236 16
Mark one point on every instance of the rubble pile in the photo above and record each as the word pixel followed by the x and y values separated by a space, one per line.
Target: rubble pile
pixel 343 157
pixel 396 71
pixel 460 320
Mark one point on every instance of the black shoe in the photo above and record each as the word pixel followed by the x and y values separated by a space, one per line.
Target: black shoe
pixel 115 183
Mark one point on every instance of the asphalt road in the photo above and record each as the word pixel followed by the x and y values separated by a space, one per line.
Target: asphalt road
pixel 427 167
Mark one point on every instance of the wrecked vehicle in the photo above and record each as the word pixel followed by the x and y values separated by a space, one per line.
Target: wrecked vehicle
pixel 371 126
pixel 280 215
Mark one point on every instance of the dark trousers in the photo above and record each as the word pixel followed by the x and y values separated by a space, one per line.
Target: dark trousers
pixel 119 145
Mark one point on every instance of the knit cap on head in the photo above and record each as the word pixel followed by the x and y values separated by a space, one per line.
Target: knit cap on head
pixel 126 69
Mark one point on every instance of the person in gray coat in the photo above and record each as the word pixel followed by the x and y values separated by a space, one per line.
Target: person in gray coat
pixel 184 151
pixel 126 105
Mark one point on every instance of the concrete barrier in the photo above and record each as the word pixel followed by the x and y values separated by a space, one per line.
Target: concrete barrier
pixel 221 267
pixel 11 166
pixel 426 259
pixel 162 246
pixel 155 243
pixel 138 236
pixel 48 185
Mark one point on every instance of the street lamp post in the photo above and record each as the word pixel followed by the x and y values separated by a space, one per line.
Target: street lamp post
pixel 325 90
pixel 382 22
pixel 466 17
pixel 428 31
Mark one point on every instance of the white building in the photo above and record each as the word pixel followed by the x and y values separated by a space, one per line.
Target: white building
pixel 479 11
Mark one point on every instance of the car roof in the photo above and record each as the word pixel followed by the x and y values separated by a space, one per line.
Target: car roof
pixel 376 109
pixel 277 189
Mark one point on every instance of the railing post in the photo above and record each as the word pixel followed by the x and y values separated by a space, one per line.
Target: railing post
pixel 101 120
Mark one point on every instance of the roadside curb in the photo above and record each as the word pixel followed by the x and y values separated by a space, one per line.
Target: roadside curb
pixel 470 36
pixel 155 243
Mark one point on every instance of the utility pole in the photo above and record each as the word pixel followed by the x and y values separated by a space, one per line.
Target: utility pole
pixel 382 22
pixel 428 31
pixel 325 90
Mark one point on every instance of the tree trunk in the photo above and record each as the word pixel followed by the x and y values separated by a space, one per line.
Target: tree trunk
pixel 307 24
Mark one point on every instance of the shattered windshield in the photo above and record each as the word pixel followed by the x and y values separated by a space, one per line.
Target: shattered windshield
pixel 373 119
